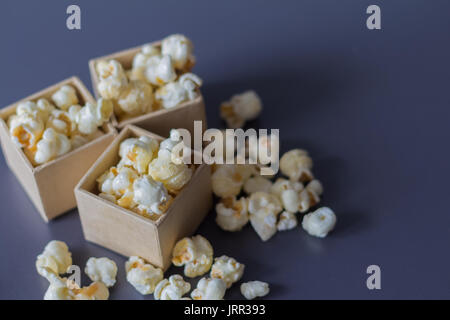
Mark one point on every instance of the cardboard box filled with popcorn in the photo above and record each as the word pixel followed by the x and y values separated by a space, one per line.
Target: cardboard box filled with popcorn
pixel 151 85
pixel 51 138
pixel 137 201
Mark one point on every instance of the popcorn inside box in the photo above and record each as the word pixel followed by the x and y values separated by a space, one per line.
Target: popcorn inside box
pixel 138 201
pixel 49 132
pixel 147 84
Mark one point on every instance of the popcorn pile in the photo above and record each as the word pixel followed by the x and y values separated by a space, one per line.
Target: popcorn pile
pixel 56 259
pixel 195 254
pixel 146 179
pixel 159 78
pixel 46 131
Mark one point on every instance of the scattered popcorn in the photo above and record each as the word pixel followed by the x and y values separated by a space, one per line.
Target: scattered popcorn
pixel 264 208
pixel 160 70
pixel 101 270
pixel 51 145
pixel 241 108
pixel 209 289
pixel 136 98
pixel 232 214
pixel 138 152
pixel 253 289
pixel 287 221
pixel 310 196
pixel 320 222
pixel 180 49
pixel 228 179
pixel 172 289
pixel 174 93
pixel 297 165
pixel 142 276
pixel 59 290
pixel 195 254
pixel 258 183
pixel 55 259
pixel 112 79
pixel 173 176
pixel 227 269
pixel 65 97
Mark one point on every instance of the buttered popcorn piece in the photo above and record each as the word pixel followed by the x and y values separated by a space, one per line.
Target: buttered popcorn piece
pixel 92 116
pixel 209 289
pixel 42 109
pixel 160 70
pixel 142 276
pixel 140 61
pixel 287 221
pixel 297 165
pixel 62 121
pixel 253 289
pixel 150 195
pixel 228 179
pixel 258 183
pixel 174 93
pixel 320 222
pixel 62 289
pixel 26 129
pixel 54 260
pixel 310 196
pixel 169 144
pixel 264 208
pixel 195 254
pixel 173 176
pixel 241 108
pixel 172 289
pixel 65 97
pixel 232 214
pixel 136 98
pixel 51 145
pixel 101 269
pixel 138 152
pixel 112 79
pixel 180 49
pixel 227 269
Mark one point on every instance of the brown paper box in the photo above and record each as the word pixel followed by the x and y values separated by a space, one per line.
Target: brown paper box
pixel 50 185
pixel 130 234
pixel 160 121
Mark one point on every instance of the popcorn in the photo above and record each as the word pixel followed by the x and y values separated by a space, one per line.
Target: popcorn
pixel 105 181
pixel 264 208
pixel 65 97
pixel 232 214
pixel 256 184
pixel 62 122
pixel 172 289
pixel 41 109
pixel 228 179
pixel 140 61
pixel 54 260
pixel 122 186
pixel 136 98
pixel 174 93
pixel 26 129
pixel 101 269
pixel 297 165
pixel 180 49
pixel 320 222
pixel 262 152
pixel 289 193
pixel 112 79
pixel 310 196
pixel 60 290
pixel 195 254
pixel 150 195
pixel 44 108
pixel 143 277
pixel 252 289
pixel 168 144
pixel 173 176
pixel 160 70
pixel 227 269
pixel 209 289
pixel 91 116
pixel 282 185
pixel 51 145
pixel 138 152
pixel 241 108
pixel 287 221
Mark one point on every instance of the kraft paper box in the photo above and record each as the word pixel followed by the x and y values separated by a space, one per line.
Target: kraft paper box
pixel 129 233
pixel 159 121
pixel 50 185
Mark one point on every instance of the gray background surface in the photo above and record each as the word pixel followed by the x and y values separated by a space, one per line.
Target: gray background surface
pixel 372 107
